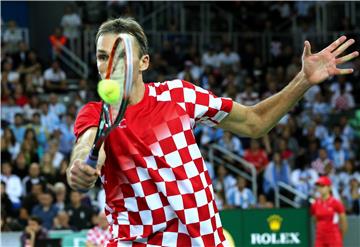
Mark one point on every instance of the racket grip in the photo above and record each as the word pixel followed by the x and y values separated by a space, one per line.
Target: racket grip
pixel 91 160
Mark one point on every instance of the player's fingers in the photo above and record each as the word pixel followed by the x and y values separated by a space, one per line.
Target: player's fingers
pixel 346 58
pixel 335 44
pixel 343 71
pixel 343 47
pixel 307 48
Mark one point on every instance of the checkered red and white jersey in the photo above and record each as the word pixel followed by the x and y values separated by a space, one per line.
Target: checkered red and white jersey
pixel 158 190
pixel 98 236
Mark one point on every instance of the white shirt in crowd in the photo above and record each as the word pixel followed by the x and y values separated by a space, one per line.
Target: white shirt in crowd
pixel 54 76
pixel 71 24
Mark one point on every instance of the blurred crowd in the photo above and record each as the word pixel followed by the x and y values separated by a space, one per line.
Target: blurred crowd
pixel 320 136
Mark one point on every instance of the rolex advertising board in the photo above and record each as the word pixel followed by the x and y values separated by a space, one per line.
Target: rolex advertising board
pixel 267 227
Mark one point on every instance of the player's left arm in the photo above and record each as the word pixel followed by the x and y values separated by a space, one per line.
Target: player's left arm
pixel 255 121
pixel 343 224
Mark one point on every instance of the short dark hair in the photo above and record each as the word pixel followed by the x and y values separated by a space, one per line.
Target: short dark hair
pixel 36 219
pixel 125 25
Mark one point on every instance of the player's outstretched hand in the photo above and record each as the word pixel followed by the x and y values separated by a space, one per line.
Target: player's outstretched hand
pixel 320 66
pixel 82 176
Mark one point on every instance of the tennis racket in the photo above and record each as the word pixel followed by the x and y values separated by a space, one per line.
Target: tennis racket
pixel 120 69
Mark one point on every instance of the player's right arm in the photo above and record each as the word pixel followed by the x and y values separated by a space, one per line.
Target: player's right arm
pixel 79 174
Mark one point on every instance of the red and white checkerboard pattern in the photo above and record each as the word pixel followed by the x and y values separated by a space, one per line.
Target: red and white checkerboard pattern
pixel 98 236
pixel 158 189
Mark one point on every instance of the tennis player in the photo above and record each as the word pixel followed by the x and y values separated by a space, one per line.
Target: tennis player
pixel 158 190
pixel 329 213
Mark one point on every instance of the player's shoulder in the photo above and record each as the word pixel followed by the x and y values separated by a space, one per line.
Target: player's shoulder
pixel 91 107
pixel 170 85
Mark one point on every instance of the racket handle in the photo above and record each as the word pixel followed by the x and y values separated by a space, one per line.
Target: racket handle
pixel 91 160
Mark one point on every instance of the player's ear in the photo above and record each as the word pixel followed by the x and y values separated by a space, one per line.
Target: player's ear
pixel 144 62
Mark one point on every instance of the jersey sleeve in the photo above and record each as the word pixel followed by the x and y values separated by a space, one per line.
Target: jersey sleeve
pixel 339 207
pixel 87 117
pixel 201 105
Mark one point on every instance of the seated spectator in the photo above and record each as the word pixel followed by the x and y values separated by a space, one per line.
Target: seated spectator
pixel 240 196
pixel 33 106
pixel 13 186
pixel 342 101
pixel 11 75
pixel 47 168
pixel 20 167
pixel 79 214
pixel 55 78
pixel 231 143
pixel 20 98
pixel 34 177
pixel 49 120
pixel 45 209
pixel 30 200
pixel 229 59
pixel 263 202
pixel 55 105
pixel 9 110
pixel 321 106
pixel 224 181
pixel 303 178
pixel 6 204
pixel 351 194
pixel 18 128
pixel 278 170
pixel 34 231
pixel 341 81
pixel 61 222
pixel 256 155
pixel 10 144
pixel 67 137
pixel 337 154
pixel 249 97
pixel 41 131
pixel 60 196
pixel 319 164
pixel 210 58
pixel 99 235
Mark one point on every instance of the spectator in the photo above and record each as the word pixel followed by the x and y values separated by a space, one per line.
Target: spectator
pixel 210 58
pixel 231 143
pixel 256 155
pixel 18 127
pixel 20 166
pixel 60 196
pixel 41 131
pixel 320 163
pixel 303 178
pixel 249 96
pixel 79 214
pixel 34 231
pixel 241 196
pixel 337 154
pixel 12 36
pixel 71 23
pixel 55 106
pixel 32 106
pixel 341 81
pixel 223 182
pixel 30 200
pixel 34 177
pixel 67 137
pixel 21 56
pixel 57 41
pixel 49 120
pixel 228 59
pixel 9 110
pixel 45 210
pixel 99 235
pixel 278 170
pixel 343 100
pixel 47 168
pixel 10 144
pixel 321 106
pixel 61 222
pixel 55 78
pixel 263 202
pixel 351 195
pixel 13 184
pixel 6 204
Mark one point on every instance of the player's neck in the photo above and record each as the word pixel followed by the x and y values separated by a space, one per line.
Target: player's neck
pixel 325 197
pixel 137 92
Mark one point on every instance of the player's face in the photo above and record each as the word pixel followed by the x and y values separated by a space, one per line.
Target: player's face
pixel 103 50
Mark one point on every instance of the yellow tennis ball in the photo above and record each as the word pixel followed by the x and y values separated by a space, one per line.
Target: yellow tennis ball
pixel 110 91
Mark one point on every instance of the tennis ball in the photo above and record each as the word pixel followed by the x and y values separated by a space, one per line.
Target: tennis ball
pixel 110 91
